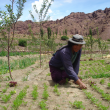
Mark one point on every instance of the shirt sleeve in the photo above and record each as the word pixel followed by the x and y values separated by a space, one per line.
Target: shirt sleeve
pixel 77 62
pixel 67 64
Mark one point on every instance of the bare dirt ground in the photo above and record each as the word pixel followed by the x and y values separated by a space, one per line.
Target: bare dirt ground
pixel 38 76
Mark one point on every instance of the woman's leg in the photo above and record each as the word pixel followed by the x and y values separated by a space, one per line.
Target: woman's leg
pixel 56 74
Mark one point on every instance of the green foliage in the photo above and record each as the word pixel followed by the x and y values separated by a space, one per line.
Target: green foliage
pixel 108 39
pixel 77 104
pixel 49 32
pixel 65 32
pixel 95 101
pixel 48 74
pixel 45 92
pixel 22 42
pixel 42 32
pixel 19 99
pixel 64 38
pixel 6 98
pixel 56 89
pixel 12 92
pixel 108 85
pixel 34 92
pixel 5 107
pixel 102 81
pixel 43 105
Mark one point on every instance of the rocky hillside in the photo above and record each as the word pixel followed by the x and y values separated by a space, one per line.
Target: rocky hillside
pixel 75 23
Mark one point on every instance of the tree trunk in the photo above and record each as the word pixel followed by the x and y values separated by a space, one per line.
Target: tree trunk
pixel 8 55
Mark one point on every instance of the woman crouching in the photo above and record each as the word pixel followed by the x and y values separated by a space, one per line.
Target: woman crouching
pixel 65 62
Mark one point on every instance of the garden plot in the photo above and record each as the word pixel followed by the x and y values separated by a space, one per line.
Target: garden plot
pixel 39 92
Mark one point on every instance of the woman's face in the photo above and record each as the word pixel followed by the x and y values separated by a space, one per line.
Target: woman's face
pixel 76 48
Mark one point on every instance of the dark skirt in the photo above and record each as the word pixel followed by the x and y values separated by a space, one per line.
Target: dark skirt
pixel 57 74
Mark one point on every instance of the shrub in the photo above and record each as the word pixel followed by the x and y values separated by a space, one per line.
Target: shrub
pixel 64 38
pixel 108 39
pixel 22 43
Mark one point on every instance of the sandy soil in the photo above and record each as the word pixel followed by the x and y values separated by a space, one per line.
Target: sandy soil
pixel 69 92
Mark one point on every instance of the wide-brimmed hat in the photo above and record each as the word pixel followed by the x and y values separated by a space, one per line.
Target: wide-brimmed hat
pixel 77 39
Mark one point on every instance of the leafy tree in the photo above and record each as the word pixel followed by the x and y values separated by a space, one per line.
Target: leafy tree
pixel 42 32
pixel 49 32
pixel 101 44
pixel 42 15
pixel 91 41
pixel 8 22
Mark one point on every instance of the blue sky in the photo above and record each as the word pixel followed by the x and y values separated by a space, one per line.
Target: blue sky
pixel 60 8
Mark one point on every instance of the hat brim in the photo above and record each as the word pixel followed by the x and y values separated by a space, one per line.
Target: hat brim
pixel 70 39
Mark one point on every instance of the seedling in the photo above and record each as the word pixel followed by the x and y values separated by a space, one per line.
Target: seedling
pixel 12 92
pixel 4 90
pixel 95 101
pixel 42 105
pixel 25 78
pixel 102 81
pixel 34 92
pixel 48 74
pixel 5 107
pixel 77 104
pixel 45 94
pixel 108 85
pixel 18 101
pixel 92 83
pixel 56 89
pixel 6 98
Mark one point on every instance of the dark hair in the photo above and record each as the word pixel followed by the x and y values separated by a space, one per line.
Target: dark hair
pixel 70 44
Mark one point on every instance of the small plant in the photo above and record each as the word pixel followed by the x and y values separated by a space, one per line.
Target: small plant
pixel 34 92
pixel 108 85
pixel 6 98
pixel 102 81
pixel 25 78
pixel 22 42
pixel 45 94
pixel 56 89
pixel 5 107
pixel 4 90
pixel 77 104
pixel 12 92
pixel 48 74
pixel 64 38
pixel 19 99
pixel 12 84
pixel 42 105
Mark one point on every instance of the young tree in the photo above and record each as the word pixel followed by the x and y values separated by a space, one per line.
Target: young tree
pixel 91 41
pixel 42 32
pixel 66 32
pixel 8 22
pixel 101 44
pixel 42 15
pixel 49 32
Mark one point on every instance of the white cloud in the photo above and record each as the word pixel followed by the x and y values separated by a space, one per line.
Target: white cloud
pixel 68 1
pixel 39 5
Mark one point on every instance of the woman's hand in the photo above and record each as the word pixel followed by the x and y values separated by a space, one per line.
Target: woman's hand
pixel 81 84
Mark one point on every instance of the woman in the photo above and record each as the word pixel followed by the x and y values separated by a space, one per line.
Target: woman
pixel 65 62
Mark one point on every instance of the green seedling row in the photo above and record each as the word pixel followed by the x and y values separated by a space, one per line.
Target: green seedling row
pixel 104 95
pixel 17 64
pixel 45 94
pixel 77 104
pixel 4 53
pixel 95 101
pixel 34 92
pixel 56 89
pixel 19 99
